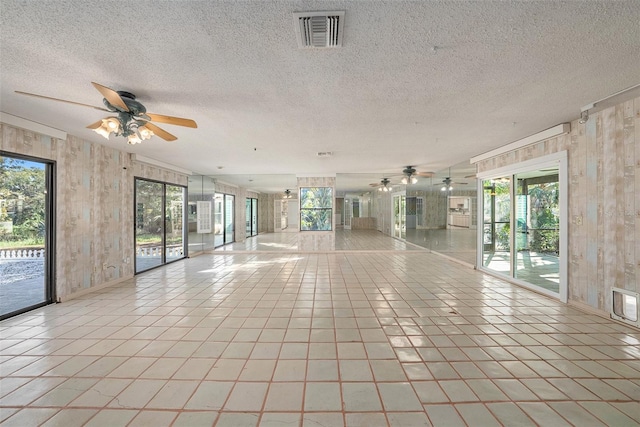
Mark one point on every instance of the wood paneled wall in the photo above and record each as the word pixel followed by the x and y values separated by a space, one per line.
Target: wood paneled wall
pixel 604 201
pixel 94 206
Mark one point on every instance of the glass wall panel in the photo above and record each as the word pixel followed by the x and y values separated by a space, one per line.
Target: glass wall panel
pixel 149 224
pixel 442 212
pixel 174 225
pixel 201 189
pixel 25 231
pixel 537 233
pixel 229 219
pixel 496 254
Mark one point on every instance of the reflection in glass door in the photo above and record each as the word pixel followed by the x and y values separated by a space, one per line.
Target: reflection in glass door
pixel 400 216
pixel 496 253
pixel 26 234
pixel 218 219
pixel 229 223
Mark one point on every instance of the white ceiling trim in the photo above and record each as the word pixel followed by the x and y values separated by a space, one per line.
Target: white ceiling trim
pixel 31 125
pixel 558 130
pixel 154 162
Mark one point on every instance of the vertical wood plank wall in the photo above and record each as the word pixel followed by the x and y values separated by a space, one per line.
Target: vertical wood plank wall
pixel 604 201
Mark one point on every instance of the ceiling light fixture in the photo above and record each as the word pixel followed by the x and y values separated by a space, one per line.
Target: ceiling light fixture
pixel 135 130
pixel 384 185
pixel 409 179
pixel 287 194
pixel 410 175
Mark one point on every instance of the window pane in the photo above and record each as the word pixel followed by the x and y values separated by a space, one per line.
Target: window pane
pixel 316 211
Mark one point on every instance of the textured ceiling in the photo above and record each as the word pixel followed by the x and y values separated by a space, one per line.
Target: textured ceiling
pixel 421 83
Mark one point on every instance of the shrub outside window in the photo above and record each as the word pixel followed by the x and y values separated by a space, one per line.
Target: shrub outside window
pixel 316 208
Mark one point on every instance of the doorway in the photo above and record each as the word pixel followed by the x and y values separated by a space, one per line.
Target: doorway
pixel 26 233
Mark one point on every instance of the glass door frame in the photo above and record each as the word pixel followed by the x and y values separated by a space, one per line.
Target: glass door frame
pixel 50 231
pixel 558 160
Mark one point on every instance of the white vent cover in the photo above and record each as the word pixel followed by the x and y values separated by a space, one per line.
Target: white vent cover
pixel 324 153
pixel 319 29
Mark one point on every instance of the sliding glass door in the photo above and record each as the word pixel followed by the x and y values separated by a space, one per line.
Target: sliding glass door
pixel 26 234
pixel 224 219
pixel 159 223
pixel 524 224
pixel 496 253
pixel 251 217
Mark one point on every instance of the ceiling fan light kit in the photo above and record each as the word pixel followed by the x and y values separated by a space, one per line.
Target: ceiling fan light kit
pixel 132 120
pixel 384 185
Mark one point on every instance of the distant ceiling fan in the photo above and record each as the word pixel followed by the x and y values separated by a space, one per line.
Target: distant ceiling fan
pixel 410 175
pixel 131 120
pixel 447 184
pixel 384 185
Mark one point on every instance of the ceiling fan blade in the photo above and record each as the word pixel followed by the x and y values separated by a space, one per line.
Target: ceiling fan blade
pixel 95 125
pixel 160 132
pixel 111 96
pixel 172 120
pixel 61 100
pixel 425 174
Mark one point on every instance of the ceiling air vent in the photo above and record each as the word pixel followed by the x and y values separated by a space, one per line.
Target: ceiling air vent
pixel 324 153
pixel 319 29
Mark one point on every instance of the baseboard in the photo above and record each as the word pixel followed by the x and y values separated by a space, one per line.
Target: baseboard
pixel 589 309
pixel 92 289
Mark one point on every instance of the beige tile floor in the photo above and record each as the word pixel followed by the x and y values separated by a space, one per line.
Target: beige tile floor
pixel 389 338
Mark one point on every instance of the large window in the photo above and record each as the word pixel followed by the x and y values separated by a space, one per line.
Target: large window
pixel 159 221
pixel 316 208
pixel 524 221
pixel 26 233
